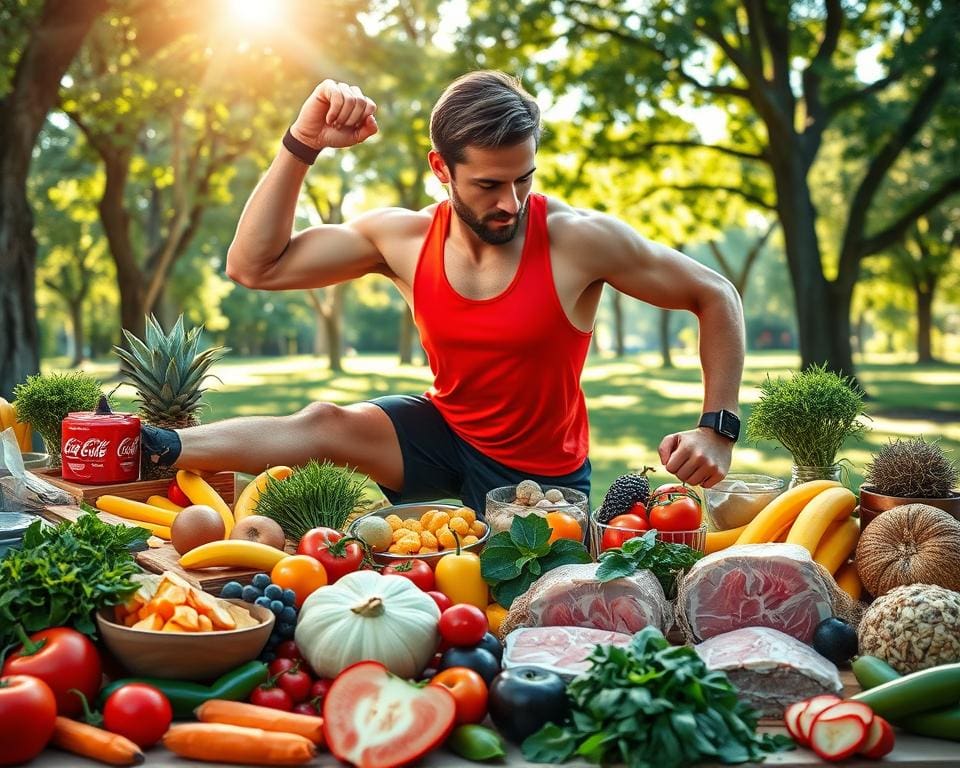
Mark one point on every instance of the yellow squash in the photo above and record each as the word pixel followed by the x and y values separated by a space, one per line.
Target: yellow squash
pixel 199 491
pixel 819 513
pixel 247 501
pixel 837 544
pixel 781 511
pixel 136 510
pixel 164 503
pixel 848 579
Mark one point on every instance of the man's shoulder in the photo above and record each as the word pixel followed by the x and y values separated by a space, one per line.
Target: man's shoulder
pixel 575 227
pixel 394 222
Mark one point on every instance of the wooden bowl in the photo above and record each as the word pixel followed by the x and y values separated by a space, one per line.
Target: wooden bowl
pixel 197 656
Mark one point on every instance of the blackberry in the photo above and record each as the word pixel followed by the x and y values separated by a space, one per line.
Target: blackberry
pixel 623 493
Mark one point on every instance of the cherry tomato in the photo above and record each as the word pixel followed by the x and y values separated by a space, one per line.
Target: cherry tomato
pixel 176 495
pixel 675 508
pixel 469 692
pixel 318 690
pixel 338 555
pixel 418 571
pixel 268 695
pixel 281 665
pixel 621 528
pixel 288 650
pixel 297 683
pixel 138 711
pixel 563 526
pixel 443 602
pixel 639 509
pixel 463 625
pixel 301 573
pixel 306 708
pixel 28 711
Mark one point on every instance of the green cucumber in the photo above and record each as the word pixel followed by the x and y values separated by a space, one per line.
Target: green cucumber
pixel 913 694
pixel 871 671
pixel 939 724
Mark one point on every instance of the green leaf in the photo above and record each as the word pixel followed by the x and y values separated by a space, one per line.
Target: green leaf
pixel 531 534
pixel 564 552
pixel 551 744
pixel 615 566
pixel 499 559
pixel 507 591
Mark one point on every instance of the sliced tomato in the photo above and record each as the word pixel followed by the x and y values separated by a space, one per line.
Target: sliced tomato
pixel 401 722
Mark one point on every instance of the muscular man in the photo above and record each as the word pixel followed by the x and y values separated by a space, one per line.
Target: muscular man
pixel 504 285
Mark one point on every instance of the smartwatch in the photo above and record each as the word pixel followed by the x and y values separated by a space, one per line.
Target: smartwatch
pixel 722 422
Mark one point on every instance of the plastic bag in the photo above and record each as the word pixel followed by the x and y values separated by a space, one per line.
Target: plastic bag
pixel 20 490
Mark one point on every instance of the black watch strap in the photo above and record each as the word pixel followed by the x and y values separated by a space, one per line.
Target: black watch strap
pixel 303 152
pixel 725 423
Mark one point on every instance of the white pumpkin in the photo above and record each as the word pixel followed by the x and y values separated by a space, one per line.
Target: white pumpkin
pixel 368 617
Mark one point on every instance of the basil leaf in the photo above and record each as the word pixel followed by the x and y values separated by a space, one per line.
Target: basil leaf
pixel 564 552
pixel 507 591
pixel 551 744
pixel 499 559
pixel 615 566
pixel 531 534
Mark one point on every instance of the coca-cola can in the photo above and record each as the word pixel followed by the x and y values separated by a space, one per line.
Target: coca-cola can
pixel 100 447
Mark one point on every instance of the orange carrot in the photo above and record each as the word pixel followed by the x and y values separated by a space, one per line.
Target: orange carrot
pixel 253 716
pixel 220 743
pixel 95 743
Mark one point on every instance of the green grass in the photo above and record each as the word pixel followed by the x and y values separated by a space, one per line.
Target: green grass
pixel 633 403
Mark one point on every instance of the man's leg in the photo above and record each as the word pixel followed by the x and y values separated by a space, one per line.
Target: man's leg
pixel 359 435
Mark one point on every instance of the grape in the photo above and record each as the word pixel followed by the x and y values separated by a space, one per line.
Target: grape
pixel 277 607
pixel 273 591
pixel 250 593
pixel 289 615
pixel 267 656
pixel 289 597
pixel 261 581
pixel 287 630
pixel 264 601
pixel 231 590
pixel 275 635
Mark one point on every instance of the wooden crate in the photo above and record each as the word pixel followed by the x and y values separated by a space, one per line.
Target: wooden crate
pixel 223 482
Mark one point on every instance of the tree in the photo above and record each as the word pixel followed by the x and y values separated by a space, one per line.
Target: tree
pixel 38 44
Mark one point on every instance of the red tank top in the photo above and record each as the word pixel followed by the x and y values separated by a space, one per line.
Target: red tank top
pixel 506 369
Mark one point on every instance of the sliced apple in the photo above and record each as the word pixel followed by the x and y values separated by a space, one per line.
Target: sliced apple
pixel 845 708
pixel 880 739
pixel 791 718
pixel 838 738
pixel 814 707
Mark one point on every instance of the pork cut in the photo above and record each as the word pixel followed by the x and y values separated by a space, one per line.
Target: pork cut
pixel 755 585
pixel 770 669
pixel 573 596
pixel 563 650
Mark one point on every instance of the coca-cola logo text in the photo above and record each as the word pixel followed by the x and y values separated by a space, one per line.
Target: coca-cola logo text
pixel 128 448
pixel 92 448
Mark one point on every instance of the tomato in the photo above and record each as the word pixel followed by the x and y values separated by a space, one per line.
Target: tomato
pixel 63 658
pixel 563 526
pixel 296 682
pixel 301 573
pixel 469 692
pixel 176 495
pixel 28 711
pixel 675 508
pixel 621 528
pixel 639 509
pixel 318 691
pixel 269 695
pixel 288 650
pixel 337 554
pixel 463 625
pixel 306 708
pixel 443 602
pixel 418 571
pixel 138 711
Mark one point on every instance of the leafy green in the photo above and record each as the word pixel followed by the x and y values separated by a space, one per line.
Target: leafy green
pixel 653 704
pixel 512 560
pixel 666 560
pixel 62 574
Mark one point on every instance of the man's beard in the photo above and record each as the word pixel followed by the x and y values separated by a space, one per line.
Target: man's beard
pixel 497 236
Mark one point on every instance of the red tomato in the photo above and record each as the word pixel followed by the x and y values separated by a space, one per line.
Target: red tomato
pixel 469 692
pixel 675 508
pixel 443 602
pixel 306 708
pixel 639 509
pixel 318 690
pixel 288 650
pixel 296 682
pixel 63 658
pixel 463 625
pixel 176 495
pixel 138 711
pixel 301 573
pixel 337 555
pixel 418 571
pixel 28 711
pixel 268 695
pixel 621 528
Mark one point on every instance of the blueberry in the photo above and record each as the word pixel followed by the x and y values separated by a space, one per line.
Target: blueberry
pixel 273 591
pixel 231 590
pixel 264 601
pixel 276 606
pixel 267 656
pixel 273 642
pixel 261 581
pixel 289 615
pixel 276 637
pixel 250 593
pixel 289 597
pixel 287 630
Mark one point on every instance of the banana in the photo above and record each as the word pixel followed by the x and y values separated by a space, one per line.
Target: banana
pixel 717 540
pixel 8 416
pixel 825 508
pixel 233 553
pixel 164 503
pixel 24 432
pixel 162 531
pixel 838 544
pixel 199 491
pixel 848 579
pixel 782 510
pixel 247 501
pixel 135 510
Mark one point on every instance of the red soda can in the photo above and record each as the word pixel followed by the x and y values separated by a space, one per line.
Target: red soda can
pixel 98 447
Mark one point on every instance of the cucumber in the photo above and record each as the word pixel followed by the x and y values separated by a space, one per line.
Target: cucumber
pixel 939 724
pixel 912 694
pixel 871 671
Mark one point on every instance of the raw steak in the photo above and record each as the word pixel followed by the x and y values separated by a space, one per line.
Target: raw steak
pixel 563 650
pixel 571 596
pixel 755 585
pixel 771 670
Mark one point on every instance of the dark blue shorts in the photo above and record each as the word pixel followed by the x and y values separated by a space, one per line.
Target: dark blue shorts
pixel 438 464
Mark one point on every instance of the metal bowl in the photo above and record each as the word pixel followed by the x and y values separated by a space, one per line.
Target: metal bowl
pixel 416 510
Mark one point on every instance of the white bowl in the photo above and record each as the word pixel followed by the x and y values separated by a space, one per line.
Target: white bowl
pixel 738 498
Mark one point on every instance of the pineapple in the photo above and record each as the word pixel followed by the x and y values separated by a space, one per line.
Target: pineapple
pixel 167 372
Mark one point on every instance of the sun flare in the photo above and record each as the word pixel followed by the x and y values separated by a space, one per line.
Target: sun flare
pixel 254 14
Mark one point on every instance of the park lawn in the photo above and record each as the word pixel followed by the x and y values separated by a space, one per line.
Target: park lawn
pixel 632 402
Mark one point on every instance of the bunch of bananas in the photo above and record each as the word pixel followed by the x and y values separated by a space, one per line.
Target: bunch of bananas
pixel 21 429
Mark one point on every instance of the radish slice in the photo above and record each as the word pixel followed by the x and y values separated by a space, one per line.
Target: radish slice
pixel 880 739
pixel 791 717
pixel 844 708
pixel 814 707
pixel 838 738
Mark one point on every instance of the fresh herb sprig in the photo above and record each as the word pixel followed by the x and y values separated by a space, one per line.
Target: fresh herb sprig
pixel 512 560
pixel 62 574
pixel 652 703
pixel 666 560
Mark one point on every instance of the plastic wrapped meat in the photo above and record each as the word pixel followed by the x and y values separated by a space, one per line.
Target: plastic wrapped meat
pixel 572 596
pixel 563 650
pixel 771 670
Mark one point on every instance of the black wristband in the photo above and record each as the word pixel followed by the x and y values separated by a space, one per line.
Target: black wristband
pixel 303 152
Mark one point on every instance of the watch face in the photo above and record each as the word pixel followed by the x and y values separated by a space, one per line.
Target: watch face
pixel 728 425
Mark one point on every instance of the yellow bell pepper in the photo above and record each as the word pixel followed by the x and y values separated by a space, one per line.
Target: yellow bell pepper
pixel 458 577
pixel 496 613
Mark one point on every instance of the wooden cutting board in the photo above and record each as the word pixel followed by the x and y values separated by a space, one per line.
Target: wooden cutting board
pixel 223 483
pixel 165 558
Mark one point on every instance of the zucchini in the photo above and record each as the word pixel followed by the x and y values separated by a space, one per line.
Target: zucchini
pixel 939 724
pixel 912 694
pixel 871 671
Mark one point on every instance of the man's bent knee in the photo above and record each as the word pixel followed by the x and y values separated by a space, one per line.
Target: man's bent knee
pixel 320 415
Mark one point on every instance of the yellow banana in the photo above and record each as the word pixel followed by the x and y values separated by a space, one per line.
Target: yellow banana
pixel 838 544
pixel 8 416
pixel 247 501
pixel 162 531
pixel 817 515
pixel 781 511
pixel 717 540
pixel 164 503
pixel 233 553
pixel 135 510
pixel 848 579
pixel 199 491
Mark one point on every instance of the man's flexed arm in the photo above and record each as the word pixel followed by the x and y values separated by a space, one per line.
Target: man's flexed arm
pixel 263 254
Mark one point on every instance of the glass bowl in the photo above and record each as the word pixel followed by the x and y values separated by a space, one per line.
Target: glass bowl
pixel 502 507
pixel 695 539
pixel 737 499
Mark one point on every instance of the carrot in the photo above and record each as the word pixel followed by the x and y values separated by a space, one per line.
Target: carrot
pixel 220 743
pixel 95 743
pixel 253 716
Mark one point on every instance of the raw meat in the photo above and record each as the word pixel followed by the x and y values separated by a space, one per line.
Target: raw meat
pixel 563 650
pixel 770 669
pixel 572 596
pixel 755 585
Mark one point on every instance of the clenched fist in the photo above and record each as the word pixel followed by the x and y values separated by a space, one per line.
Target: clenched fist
pixel 335 115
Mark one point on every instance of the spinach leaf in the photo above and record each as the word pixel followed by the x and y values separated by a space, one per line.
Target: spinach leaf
pixel 667 561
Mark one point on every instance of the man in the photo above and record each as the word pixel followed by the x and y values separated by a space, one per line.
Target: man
pixel 504 286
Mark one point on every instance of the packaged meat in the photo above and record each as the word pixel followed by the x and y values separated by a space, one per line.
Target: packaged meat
pixel 563 650
pixel 573 596
pixel 770 669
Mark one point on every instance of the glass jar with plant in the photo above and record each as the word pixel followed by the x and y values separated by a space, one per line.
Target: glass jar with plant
pixel 811 414
pixel 45 400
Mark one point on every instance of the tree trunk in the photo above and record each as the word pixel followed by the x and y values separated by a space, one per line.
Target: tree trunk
pixel 924 324
pixel 76 320
pixel 619 346
pixel 52 45
pixel 667 362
